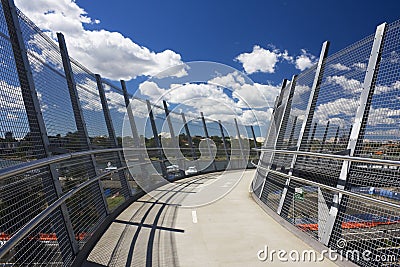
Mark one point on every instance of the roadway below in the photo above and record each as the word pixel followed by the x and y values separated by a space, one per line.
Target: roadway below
pixel 164 231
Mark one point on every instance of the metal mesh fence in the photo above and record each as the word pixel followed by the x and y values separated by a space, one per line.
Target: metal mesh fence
pixel 45 113
pixel 46 244
pixel 362 226
pixel 377 226
pixel 327 130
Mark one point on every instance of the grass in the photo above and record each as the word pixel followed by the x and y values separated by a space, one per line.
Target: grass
pixel 114 202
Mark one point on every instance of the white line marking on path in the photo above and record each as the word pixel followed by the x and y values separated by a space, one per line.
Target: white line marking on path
pixel 194 216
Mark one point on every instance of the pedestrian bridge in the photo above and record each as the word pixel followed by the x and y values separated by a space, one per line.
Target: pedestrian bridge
pixel 92 175
pixel 160 232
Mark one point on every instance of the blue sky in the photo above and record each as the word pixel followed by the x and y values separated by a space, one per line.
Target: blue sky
pixel 266 40
pixel 221 30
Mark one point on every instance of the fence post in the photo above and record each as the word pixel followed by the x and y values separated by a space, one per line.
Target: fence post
pixel 157 140
pixel 358 128
pixel 240 142
pixel 278 101
pixel 132 124
pixel 173 138
pixel 325 136
pixel 36 123
pixel 290 142
pixel 254 137
pixel 305 127
pixel 111 133
pixel 77 109
pixel 224 141
pixel 185 125
pixel 208 138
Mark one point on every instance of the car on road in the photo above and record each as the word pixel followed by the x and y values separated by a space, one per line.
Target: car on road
pixel 191 170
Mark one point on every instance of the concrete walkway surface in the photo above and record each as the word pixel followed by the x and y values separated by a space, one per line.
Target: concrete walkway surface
pixel 228 232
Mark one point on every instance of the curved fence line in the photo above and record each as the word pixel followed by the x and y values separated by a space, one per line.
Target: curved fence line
pixel 330 188
pixel 330 162
pixel 63 127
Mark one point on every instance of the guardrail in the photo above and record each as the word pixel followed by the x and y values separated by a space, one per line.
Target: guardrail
pixel 330 163
pixel 24 233
pixel 324 186
pixel 64 127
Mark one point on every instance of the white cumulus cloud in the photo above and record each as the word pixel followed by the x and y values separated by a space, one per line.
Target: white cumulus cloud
pixel 305 60
pixel 259 60
pixel 101 51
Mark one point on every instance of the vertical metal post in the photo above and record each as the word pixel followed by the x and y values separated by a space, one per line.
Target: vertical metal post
pixel 135 135
pixel 305 127
pixel 224 141
pixel 173 137
pixel 208 138
pixel 358 128
pixel 240 142
pixel 290 142
pixel 312 136
pixel 111 133
pixel 36 123
pixel 185 125
pixel 170 126
pixel 254 136
pixel 336 135
pixel 77 109
pixel 272 126
pixel 175 142
pixel 157 140
pixel 280 125
pixel 132 124
pixel 325 136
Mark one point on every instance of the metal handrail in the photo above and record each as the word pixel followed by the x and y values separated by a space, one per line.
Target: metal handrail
pixel 330 188
pixel 24 167
pixel 29 226
pixel 332 156
pixel 28 166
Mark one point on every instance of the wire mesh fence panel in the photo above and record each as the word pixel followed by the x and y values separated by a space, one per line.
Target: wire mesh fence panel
pixel 307 208
pixel 265 157
pixel 117 109
pixel 362 225
pixel 23 197
pixel 298 104
pixel 336 107
pixel 3 25
pixel 237 156
pixel 91 107
pixel 175 145
pixel 253 142
pixel 216 143
pixel 273 184
pixel 20 139
pixel 51 86
pixel 116 105
pixel 272 190
pixel 142 172
pixel 366 227
pixel 46 245
pixel 281 123
pixel 198 136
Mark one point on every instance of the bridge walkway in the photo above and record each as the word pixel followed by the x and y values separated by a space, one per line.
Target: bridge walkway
pixel 228 232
